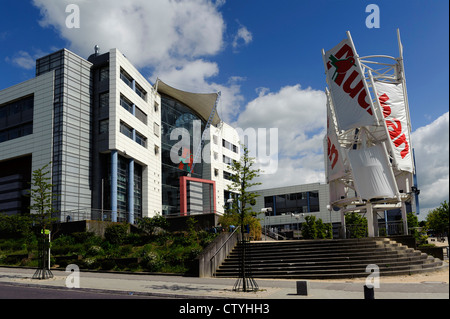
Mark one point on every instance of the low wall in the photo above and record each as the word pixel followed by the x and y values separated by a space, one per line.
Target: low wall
pixel 204 221
pixel 93 226
pixel 204 265
pixel 436 252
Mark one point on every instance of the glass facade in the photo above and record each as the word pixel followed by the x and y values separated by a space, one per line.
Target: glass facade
pixel 15 178
pixel 175 114
pixel 16 119
pixel 122 186
pixel 304 202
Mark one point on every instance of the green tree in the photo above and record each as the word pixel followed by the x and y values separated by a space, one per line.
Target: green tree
pixel 314 228
pixel 41 209
pixel 42 197
pixel 437 219
pixel 356 225
pixel 324 231
pixel 152 224
pixel 244 199
pixel 414 228
pixel 309 227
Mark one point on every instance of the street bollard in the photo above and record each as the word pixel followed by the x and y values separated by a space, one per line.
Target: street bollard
pixel 369 292
pixel 302 287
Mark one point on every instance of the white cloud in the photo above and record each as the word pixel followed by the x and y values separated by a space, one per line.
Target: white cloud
pixel 299 114
pixel 300 117
pixel 24 59
pixel 243 37
pixel 172 40
pixel 431 147
pixel 147 32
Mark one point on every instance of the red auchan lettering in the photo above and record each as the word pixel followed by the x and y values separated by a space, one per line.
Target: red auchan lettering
pixel 347 87
pixel 392 101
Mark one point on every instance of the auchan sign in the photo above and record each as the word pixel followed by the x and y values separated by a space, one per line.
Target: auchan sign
pixel 350 98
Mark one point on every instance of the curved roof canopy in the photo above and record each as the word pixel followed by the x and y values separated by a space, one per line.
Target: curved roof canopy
pixel 201 103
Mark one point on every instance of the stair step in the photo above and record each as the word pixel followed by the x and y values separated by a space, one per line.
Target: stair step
pixel 327 259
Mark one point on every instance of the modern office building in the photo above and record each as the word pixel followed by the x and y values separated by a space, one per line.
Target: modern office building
pixel 107 133
pixel 288 207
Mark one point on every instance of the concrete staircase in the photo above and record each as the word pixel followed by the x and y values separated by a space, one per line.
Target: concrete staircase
pixel 327 259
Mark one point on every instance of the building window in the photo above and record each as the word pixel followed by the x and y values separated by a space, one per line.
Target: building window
pixel 140 115
pixel 156 106
pixel 140 91
pixel 229 146
pixel 268 203
pixel 126 78
pixel 228 176
pixel 104 100
pixel 103 126
pixel 227 160
pixel 215 139
pixel 126 130
pixel 126 104
pixel 141 139
pixel 104 73
pixel 16 119
pixel 156 129
pixel 304 202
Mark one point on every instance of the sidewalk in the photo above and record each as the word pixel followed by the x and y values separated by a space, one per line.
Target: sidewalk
pixel 198 288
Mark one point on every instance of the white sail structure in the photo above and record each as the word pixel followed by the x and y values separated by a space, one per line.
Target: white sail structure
pixel 368 151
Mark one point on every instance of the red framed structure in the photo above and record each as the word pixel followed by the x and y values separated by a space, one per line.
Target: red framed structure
pixel 184 193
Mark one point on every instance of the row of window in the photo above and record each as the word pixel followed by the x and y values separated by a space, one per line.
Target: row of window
pixel 16 119
pixel 133 134
pixel 227 160
pixel 133 109
pixel 229 146
pixel 133 84
pixel 16 132
pixel 304 202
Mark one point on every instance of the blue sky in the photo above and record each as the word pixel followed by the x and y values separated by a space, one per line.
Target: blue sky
pixel 262 55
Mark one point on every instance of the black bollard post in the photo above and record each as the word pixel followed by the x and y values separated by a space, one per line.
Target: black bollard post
pixel 369 292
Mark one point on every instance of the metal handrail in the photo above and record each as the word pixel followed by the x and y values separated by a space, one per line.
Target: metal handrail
pixel 268 232
pixel 220 248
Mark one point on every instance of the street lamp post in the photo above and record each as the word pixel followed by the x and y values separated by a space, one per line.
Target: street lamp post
pixel 265 210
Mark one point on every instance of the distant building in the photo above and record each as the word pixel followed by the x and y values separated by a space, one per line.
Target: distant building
pixel 291 204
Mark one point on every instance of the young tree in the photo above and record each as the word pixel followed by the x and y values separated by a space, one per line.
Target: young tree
pixel 437 219
pixel 242 176
pixel 42 198
pixel 241 210
pixel 356 225
pixel 309 227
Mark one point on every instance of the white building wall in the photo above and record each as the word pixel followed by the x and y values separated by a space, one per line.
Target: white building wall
pixel 217 167
pixel 150 156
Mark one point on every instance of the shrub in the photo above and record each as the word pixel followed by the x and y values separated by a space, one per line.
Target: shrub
pixel 14 226
pixel 152 261
pixel 116 233
pixel 309 227
pixel 151 225
pixel 95 251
